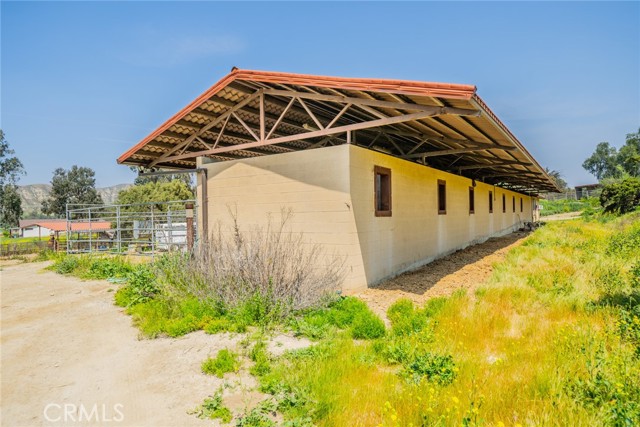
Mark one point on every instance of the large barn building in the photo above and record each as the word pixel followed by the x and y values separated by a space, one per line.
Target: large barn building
pixel 391 174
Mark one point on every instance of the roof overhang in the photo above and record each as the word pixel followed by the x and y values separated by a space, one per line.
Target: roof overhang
pixel 257 113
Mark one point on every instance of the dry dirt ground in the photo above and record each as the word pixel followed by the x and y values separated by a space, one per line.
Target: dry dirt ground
pixel 464 269
pixel 65 348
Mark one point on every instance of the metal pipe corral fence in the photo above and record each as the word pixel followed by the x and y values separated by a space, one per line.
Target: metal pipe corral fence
pixel 139 228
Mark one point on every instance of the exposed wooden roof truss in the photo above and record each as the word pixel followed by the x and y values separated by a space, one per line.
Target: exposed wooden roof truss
pixel 248 117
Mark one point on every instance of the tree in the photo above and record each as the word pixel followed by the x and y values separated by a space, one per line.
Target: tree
pixel 607 162
pixel 185 177
pixel 155 192
pixel 75 186
pixel 622 196
pixel 629 154
pixel 603 163
pixel 11 207
pixel 10 169
pixel 557 177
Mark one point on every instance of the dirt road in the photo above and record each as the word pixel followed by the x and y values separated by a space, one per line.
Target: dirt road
pixel 68 352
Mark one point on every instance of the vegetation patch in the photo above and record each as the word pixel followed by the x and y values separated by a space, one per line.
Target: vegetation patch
pixel 552 338
pixel 213 408
pixel 224 362
pixel 346 313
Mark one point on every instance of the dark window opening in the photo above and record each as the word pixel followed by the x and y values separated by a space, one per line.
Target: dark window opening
pixel 504 203
pixel 514 204
pixel 490 201
pixel 521 205
pixel 382 181
pixel 472 201
pixel 442 197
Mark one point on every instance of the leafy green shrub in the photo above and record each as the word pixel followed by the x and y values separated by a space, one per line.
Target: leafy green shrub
pixel 404 319
pixel 367 326
pixel 345 313
pixel 142 282
pixel 626 241
pixel 629 326
pixel 432 367
pixel 634 275
pixel 124 296
pixel 260 416
pixel 622 196
pixel 399 310
pixel 213 408
pixel 66 265
pixel 162 316
pixel 397 351
pixel 260 356
pixel 105 268
pixel 224 362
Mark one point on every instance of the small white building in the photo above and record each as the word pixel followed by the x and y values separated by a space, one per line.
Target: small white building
pixel 43 228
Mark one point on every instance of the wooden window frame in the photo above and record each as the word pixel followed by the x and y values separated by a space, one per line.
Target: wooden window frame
pixel 490 201
pixel 472 200
pixel 442 183
pixel 379 170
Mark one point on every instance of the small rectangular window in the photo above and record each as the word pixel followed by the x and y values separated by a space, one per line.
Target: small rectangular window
pixel 472 201
pixel 521 205
pixel 504 203
pixel 514 204
pixel 490 201
pixel 382 181
pixel 442 197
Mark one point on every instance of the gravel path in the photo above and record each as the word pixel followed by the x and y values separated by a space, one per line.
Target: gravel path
pixel 464 269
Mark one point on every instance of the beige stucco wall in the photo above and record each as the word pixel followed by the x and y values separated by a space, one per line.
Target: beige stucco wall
pixel 314 184
pixel 415 233
pixel 330 192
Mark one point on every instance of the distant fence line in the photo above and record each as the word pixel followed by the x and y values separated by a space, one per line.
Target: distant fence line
pixel 572 194
pixel 142 228
pixel 23 248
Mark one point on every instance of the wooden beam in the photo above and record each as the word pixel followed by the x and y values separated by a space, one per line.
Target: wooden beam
pixel 457 151
pixel 313 134
pixel 372 102
pixel 281 118
pixel 208 126
pixel 310 113
pixel 491 165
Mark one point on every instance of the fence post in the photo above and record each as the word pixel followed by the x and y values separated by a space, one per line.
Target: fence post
pixel 118 233
pixel 190 232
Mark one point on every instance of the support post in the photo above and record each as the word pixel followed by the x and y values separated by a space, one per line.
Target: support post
pixel 190 231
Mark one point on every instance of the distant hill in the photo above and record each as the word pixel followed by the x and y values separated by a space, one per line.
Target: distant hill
pixel 33 195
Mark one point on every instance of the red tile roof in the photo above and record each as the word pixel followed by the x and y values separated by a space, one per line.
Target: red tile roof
pixel 61 225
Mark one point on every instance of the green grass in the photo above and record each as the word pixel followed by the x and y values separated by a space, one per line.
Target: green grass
pixel 346 313
pixel 552 207
pixel 551 339
pixel 224 362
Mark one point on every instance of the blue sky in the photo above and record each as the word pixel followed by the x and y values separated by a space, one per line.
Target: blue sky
pixel 82 82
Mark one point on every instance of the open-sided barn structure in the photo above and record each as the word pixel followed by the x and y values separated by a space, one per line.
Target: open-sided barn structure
pixel 389 173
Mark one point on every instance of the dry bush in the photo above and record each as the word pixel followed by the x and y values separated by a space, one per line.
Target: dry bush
pixel 270 266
